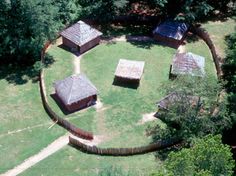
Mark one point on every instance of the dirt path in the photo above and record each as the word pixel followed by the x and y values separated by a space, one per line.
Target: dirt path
pixel 47 151
pixel 77 64
pixel 181 49
pixel 147 118
pixel 24 129
pixel 125 38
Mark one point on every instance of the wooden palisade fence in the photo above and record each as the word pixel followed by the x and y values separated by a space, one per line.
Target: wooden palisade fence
pixel 57 119
pixel 123 151
pixel 203 34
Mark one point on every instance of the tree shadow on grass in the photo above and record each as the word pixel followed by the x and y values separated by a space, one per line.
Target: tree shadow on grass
pixel 110 30
pixel 19 74
pixel 191 38
pixel 143 44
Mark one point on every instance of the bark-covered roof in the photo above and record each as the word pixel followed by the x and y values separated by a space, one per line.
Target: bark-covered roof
pixel 172 29
pixel 188 63
pixel 130 69
pixel 80 33
pixel 74 88
pixel 175 97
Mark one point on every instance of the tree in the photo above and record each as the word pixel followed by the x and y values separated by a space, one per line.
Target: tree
pixel 190 10
pixel 229 69
pixel 207 156
pixel 103 10
pixel 33 22
pixel 69 11
pixel 187 119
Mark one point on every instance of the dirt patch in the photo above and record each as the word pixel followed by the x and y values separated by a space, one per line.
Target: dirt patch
pixel 147 118
pixel 24 129
pixel 77 64
pixel 99 105
pixel 181 49
pixel 125 38
pixel 96 140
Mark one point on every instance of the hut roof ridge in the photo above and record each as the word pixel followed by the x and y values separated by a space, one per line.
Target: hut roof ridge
pixel 74 88
pixel 80 33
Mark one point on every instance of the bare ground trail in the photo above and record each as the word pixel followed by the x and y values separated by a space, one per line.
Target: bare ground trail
pixel 47 151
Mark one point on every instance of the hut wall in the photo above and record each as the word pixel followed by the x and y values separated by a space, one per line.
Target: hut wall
pixel 168 41
pixel 171 75
pixel 82 104
pixel 89 45
pixel 69 44
pixel 126 80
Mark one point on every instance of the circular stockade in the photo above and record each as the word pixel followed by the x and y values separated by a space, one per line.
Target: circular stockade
pixel 200 32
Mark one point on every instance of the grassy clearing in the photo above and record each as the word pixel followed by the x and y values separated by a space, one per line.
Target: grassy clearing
pixel 21 108
pixel 126 106
pixel 122 107
pixel 116 121
pixel 218 31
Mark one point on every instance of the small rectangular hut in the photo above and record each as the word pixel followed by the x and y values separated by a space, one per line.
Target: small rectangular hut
pixel 129 71
pixel 187 63
pixel 171 33
pixel 80 37
pixel 76 92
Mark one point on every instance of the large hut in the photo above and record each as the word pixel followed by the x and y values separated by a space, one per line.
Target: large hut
pixel 76 92
pixel 129 71
pixel 187 63
pixel 171 33
pixel 80 37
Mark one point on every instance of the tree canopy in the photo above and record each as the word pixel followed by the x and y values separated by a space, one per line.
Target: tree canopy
pixel 187 120
pixel 207 157
pixel 229 68
pixel 35 21
pixel 27 24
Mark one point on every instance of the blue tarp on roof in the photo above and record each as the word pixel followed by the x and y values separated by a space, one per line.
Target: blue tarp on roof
pixel 172 29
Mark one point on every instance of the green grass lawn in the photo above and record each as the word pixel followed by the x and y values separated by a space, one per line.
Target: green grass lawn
pixel 21 109
pixel 122 107
pixel 218 30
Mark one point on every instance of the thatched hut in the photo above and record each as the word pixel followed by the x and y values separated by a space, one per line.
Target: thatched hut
pixel 187 63
pixel 80 37
pixel 171 33
pixel 76 92
pixel 174 97
pixel 129 71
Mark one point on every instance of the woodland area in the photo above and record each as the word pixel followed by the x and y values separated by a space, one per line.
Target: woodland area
pixel 25 25
pixel 35 21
